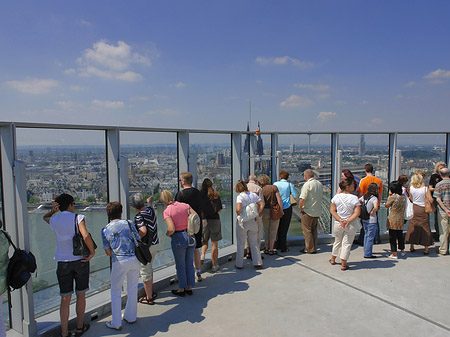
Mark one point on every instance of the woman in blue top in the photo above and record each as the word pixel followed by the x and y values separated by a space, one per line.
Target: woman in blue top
pixel 286 189
pixel 119 240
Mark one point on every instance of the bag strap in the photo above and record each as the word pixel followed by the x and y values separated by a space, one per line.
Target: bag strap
pixel 131 233
pixel 9 239
pixel 342 200
pixel 75 222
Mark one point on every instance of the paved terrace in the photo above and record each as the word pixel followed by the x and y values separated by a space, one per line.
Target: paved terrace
pixel 303 295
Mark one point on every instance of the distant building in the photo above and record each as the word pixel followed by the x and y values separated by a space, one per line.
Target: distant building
pixel 292 148
pixel 259 147
pixel 362 146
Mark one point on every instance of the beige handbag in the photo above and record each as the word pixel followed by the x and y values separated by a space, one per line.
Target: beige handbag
pixel 429 205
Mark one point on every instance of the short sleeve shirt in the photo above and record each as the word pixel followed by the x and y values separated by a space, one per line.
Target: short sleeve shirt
pixel 118 237
pixel 370 205
pixel 63 225
pixel 366 181
pixel 178 212
pixel 147 218
pixel 286 188
pixel 247 198
pixel 350 200
pixel 442 191
pixel 312 192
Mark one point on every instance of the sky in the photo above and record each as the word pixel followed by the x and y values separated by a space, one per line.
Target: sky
pixel 304 65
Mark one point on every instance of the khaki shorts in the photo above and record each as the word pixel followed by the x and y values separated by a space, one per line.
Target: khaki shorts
pixel 212 229
pixel 147 270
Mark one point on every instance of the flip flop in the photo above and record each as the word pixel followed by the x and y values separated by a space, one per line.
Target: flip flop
pixel 345 268
pixel 145 300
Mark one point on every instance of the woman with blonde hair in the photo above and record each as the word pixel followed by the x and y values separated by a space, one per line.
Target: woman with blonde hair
pixel 183 245
pixel 271 199
pixel 247 227
pixel 345 209
pixel 419 232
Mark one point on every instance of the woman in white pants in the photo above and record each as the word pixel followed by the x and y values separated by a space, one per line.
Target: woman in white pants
pixel 248 228
pixel 119 240
pixel 345 209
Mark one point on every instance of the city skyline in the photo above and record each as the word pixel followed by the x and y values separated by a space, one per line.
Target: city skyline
pixel 319 66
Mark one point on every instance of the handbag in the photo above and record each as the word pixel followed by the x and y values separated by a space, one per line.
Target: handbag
pixel 141 248
pixel 409 209
pixel 276 211
pixel 429 205
pixel 79 246
pixel 248 212
pixel 291 197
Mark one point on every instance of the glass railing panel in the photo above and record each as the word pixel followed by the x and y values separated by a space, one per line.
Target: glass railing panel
pixel 4 299
pixel 301 152
pixel 211 157
pixel 63 161
pixel 360 149
pixel 421 152
pixel 152 167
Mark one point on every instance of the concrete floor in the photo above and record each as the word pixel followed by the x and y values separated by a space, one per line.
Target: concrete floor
pixel 303 295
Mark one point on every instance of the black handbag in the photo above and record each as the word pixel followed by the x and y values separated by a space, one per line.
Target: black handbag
pixel 79 246
pixel 142 248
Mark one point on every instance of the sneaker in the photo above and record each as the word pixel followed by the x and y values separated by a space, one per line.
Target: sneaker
pixel 202 259
pixel 393 257
pixel 109 325
pixel 403 254
pixel 215 268
pixel 198 277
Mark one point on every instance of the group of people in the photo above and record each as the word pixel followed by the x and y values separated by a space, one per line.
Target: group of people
pixel 354 199
pixel 120 239
pixel 260 207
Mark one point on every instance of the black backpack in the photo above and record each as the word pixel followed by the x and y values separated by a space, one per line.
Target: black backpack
pixel 21 265
pixel 365 214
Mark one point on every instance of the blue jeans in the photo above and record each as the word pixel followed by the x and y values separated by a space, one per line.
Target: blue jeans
pixel 369 234
pixel 183 247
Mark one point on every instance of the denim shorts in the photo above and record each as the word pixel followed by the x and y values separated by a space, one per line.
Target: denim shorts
pixel 67 272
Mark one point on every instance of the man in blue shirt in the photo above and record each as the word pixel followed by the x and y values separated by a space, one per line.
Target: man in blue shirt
pixel 286 189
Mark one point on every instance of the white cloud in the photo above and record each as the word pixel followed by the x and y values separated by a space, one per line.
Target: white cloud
pixel 85 23
pixel 180 85
pixel 108 104
pixel 164 112
pixel 315 87
pixel 325 116
pixel 340 102
pixel 438 74
pixel 295 101
pixel 111 62
pixel 77 88
pixel 409 84
pixel 70 71
pixel 283 60
pixel 35 86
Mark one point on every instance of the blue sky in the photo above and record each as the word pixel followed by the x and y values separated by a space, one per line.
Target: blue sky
pixel 319 65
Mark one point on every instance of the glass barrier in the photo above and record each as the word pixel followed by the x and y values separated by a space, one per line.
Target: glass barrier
pixel 421 152
pixel 357 151
pixel 73 162
pixel 3 298
pixel 262 147
pixel 152 167
pixel 211 158
pixel 301 152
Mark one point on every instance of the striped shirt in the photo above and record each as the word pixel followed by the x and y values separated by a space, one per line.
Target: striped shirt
pixel 147 218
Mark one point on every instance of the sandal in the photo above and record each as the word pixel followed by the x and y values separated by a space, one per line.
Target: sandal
pixel 145 300
pixel 332 262
pixel 345 268
pixel 271 252
pixel 80 331
pixel 267 252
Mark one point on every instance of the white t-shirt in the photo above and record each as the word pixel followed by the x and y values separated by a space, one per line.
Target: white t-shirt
pixel 63 225
pixel 246 198
pixel 418 195
pixel 370 205
pixel 351 201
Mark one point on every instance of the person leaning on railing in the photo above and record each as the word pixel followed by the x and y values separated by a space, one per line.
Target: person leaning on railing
pixel 345 209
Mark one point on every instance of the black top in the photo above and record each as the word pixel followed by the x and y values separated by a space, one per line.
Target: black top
pixel 211 208
pixel 147 218
pixel 434 179
pixel 192 197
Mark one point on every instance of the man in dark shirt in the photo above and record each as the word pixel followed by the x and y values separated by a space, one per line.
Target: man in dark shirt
pixel 191 196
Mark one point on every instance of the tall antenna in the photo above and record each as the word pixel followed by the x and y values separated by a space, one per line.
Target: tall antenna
pixel 250 115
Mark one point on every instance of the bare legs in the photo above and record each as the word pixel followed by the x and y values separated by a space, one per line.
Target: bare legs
pixel 214 251
pixel 64 311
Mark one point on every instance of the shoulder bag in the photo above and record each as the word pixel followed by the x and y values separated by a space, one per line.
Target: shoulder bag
pixel 291 197
pixel 409 209
pixel 276 211
pixel 79 246
pixel 429 205
pixel 141 249
pixel 248 212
